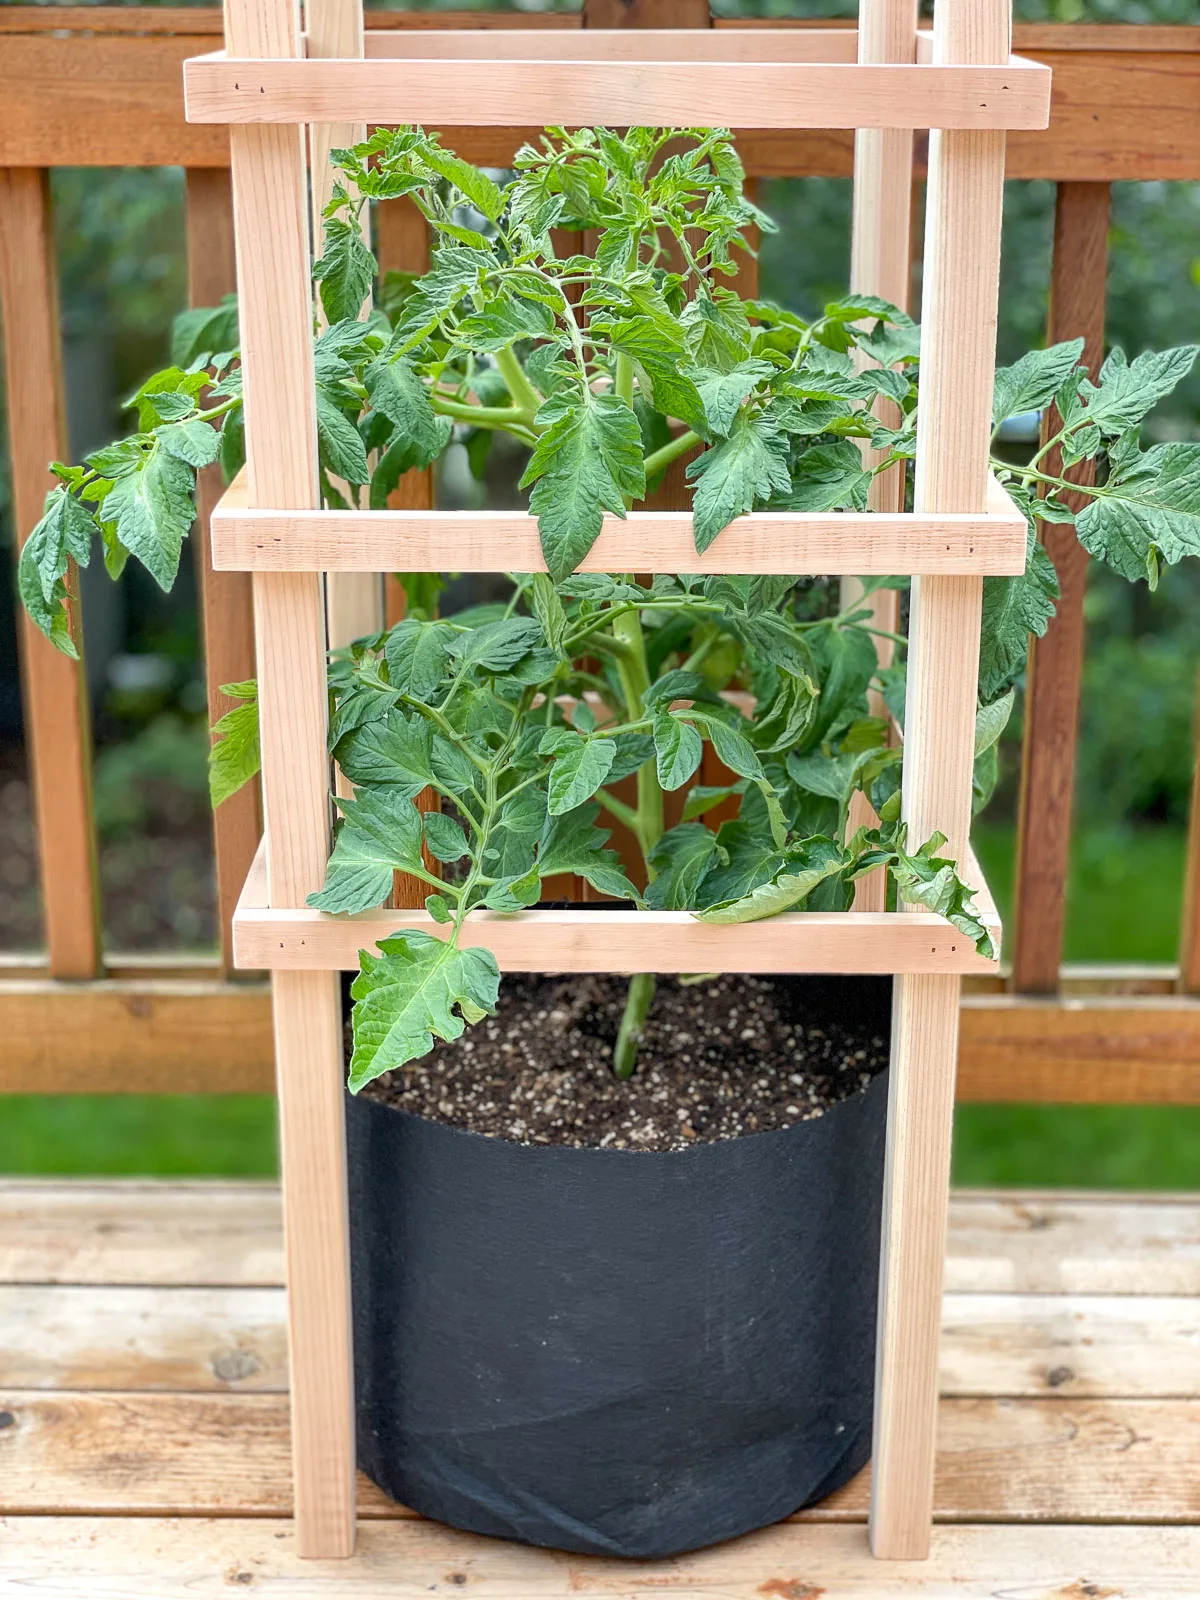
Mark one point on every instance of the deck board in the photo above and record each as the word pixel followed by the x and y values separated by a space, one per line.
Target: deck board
pixel 144 1426
pixel 193 1559
pixel 147 1338
pixel 218 1233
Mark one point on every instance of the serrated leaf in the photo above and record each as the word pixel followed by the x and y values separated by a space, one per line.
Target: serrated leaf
pixel 580 767
pixel 204 330
pixel 991 721
pixel 340 444
pixel 345 271
pixel 724 392
pixel 734 476
pixel 1031 383
pixel 418 654
pixel 496 646
pixel 677 747
pixel 393 750
pixel 1127 390
pixel 380 834
pixel 196 443
pixel 827 477
pixel 706 797
pixel 235 758
pixel 806 865
pixel 732 747
pixel 548 609
pixel 444 838
pixel 573 843
pixel 153 512
pixel 680 860
pixel 418 987
pixel 398 393
pixel 1013 608
pixel 479 189
pixel 587 462
pixel 1152 509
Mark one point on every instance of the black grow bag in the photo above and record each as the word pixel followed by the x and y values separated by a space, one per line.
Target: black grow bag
pixel 619 1352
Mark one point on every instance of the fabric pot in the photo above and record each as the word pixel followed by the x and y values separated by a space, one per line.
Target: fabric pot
pixel 618 1352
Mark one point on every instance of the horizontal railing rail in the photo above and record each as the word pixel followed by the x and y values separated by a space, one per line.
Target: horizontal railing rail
pixel 103 86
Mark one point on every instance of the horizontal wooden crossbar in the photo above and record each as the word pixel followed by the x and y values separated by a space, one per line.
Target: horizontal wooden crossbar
pixel 864 543
pixel 611 940
pixel 576 86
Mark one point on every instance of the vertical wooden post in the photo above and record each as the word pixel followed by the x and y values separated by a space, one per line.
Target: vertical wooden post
pixel 226 601
pixel 961 281
pixel 57 726
pixel 1052 685
pixel 270 190
pixel 334 29
pixel 881 264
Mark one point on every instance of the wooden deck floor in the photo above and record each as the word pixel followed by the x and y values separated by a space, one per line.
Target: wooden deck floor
pixel 143 1420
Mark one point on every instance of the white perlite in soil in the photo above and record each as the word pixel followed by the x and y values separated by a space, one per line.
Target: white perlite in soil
pixel 720 1058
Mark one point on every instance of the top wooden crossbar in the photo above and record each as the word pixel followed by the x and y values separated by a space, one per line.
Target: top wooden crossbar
pixel 775 79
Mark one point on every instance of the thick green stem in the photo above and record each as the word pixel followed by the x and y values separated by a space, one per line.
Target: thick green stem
pixel 647 827
pixel 663 457
pixel 525 396
pixel 641 993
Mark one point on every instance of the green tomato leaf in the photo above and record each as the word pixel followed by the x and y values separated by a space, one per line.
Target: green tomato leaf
pixel 580 767
pixel 743 471
pixel 393 750
pixel 380 833
pixel 418 987
pixel 586 463
pixel 398 393
pixel 680 860
pixel 444 837
pixel 805 866
pixel 1031 383
pixel 345 272
pixel 339 442
pixel 235 758
pixel 573 843
pixel 153 513
pixel 678 748
pixel 418 656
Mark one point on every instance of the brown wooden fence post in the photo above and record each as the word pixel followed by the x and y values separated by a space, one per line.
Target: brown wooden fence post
pixel 226 603
pixel 1055 669
pixel 57 725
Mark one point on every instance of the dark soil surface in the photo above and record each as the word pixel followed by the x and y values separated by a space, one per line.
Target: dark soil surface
pixel 721 1057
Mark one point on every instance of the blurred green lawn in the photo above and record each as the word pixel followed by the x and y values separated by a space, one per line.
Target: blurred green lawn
pixel 1123 905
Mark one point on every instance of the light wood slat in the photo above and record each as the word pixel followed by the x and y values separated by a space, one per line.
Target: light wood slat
pixel 184 1036
pixel 231 87
pixel 198 1340
pixel 1054 675
pixel 198 1559
pixel 985 542
pixel 121 1232
pixel 220 1233
pixel 148 1035
pixel 1028 1461
pixel 1122 106
pixel 960 288
pixel 655 42
pixel 226 602
pixel 270 184
pixel 60 1337
pixel 1094 1050
pixel 54 688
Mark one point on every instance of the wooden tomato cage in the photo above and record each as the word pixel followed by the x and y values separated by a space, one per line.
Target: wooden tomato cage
pixel 270 85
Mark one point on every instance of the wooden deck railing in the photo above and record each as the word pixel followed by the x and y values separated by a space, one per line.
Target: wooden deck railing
pixel 102 86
